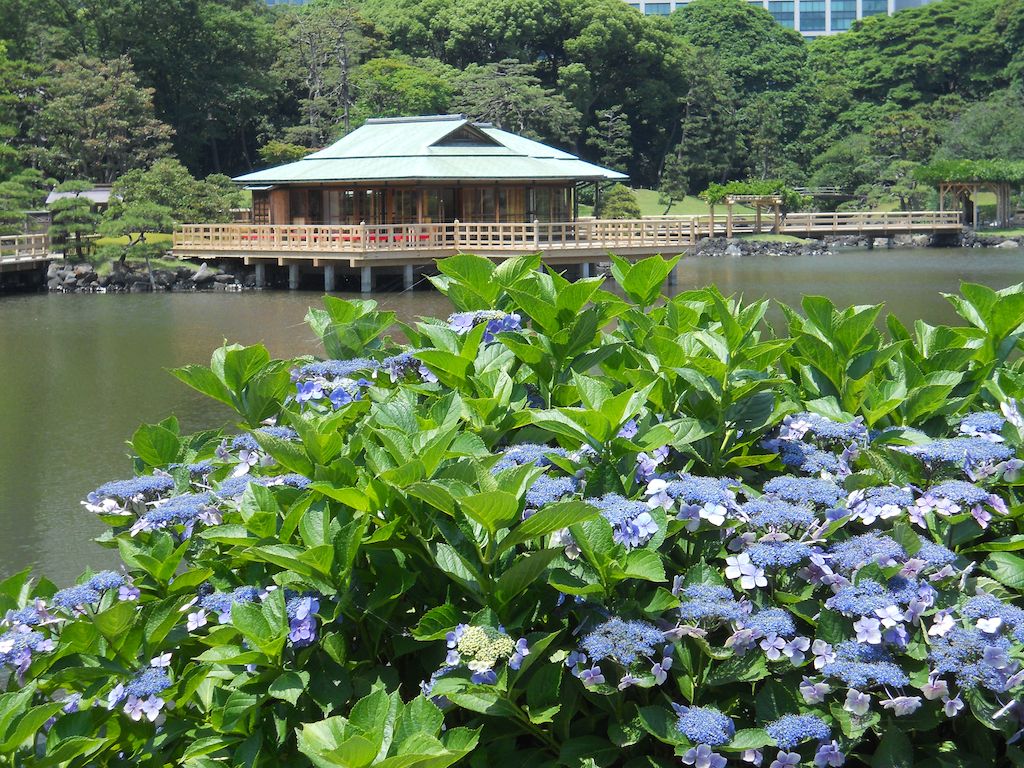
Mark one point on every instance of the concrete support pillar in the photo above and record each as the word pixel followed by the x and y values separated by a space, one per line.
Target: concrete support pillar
pixel 585 269
pixel 293 277
pixel 408 276
pixel 366 279
pixel 328 278
pixel 672 277
pixel 261 275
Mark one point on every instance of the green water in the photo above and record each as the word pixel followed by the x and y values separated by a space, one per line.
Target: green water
pixel 79 373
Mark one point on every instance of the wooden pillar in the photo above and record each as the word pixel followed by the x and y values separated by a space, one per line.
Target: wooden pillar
pixel 974 200
pixel 261 274
pixel 757 219
pixel 329 276
pixel 711 225
pixel 776 224
pixel 293 277
pixel 728 219
pixel 407 277
pixel 366 279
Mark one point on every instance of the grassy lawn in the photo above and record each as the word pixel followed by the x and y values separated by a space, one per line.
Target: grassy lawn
pixel 1018 232
pixel 691 206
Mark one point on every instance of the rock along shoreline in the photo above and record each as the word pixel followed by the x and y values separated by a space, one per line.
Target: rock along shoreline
pixel 133 277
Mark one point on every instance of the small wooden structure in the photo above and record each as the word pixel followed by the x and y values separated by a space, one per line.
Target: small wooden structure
pixel 966 193
pixel 757 202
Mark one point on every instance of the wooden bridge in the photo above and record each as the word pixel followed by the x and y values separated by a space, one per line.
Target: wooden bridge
pixel 23 252
pixel 364 246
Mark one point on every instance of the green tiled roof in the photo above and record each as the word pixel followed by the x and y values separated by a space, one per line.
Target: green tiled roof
pixel 441 148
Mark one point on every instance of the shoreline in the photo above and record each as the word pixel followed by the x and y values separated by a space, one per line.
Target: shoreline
pixel 65 276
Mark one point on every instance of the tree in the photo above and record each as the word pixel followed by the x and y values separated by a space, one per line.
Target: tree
pixel 511 96
pixel 610 137
pixel 325 42
pixel 168 184
pixel 24 191
pixel 276 152
pixel 674 184
pixel 618 202
pixel 73 217
pixel 392 87
pixel 988 130
pixel 98 122
pixel 20 99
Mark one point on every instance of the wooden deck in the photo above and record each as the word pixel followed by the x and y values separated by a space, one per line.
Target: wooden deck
pixel 20 252
pixel 560 242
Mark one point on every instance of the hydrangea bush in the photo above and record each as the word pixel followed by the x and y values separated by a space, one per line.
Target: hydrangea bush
pixel 566 526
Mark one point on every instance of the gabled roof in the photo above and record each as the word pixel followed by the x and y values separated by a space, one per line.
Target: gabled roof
pixel 435 148
pixel 98 195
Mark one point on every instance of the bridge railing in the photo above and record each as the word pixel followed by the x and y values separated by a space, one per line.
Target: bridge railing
pixel 603 234
pixel 15 248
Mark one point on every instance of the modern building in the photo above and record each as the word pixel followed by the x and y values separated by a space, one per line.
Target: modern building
pixel 811 18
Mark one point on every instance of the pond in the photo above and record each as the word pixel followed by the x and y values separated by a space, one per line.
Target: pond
pixel 78 373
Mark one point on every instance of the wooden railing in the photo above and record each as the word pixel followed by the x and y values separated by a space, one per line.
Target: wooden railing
pixel 606 234
pixel 18 248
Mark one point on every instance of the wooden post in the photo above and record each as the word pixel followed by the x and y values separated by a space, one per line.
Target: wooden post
pixel 776 225
pixel 728 219
pixel 974 200
pixel 711 225
pixel 693 231
pixel 757 219
pixel 261 274
pixel 457 234
pixel 293 277
pixel 536 234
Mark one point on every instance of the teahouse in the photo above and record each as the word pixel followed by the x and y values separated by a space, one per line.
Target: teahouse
pixel 424 170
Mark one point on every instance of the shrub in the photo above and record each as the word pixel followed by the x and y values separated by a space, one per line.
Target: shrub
pixel 560 527
pixel 618 202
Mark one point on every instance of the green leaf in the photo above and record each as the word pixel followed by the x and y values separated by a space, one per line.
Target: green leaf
pixel 748 738
pixel 1007 569
pixel 523 573
pixel 645 564
pixel 747 668
pixel 289 686
pixel 550 518
pixel 436 623
pixel 156 445
pixel 494 510
pixel 894 750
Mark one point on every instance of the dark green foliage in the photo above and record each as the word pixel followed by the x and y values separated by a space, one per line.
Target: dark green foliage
pixel 73 218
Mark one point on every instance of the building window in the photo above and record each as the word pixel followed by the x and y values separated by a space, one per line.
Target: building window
pixel 812 15
pixel 844 13
pixel 260 207
pixel 657 9
pixel 874 7
pixel 783 11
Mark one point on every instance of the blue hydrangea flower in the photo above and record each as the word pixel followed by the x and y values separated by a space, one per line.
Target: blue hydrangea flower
pixel 934 554
pixel 497 322
pixel 105 580
pixel 702 602
pixel 631 521
pixel 335 369
pixel 778 554
pixel 146 486
pixel 977 455
pixel 982 423
pixel 811 460
pixel 806 490
pixel 973 658
pixel 770 512
pixel 247 442
pixel 527 453
pixel 624 642
pixel 148 682
pixel 822 430
pixel 221 602
pixel 959 491
pixel 987 610
pixel 860 666
pixel 302 624
pixel 547 490
pixel 705 725
pixel 871 547
pixel 771 621
pixel 790 730
pixel 867 596
pixel 183 510
pixel 17 647
pixel 75 597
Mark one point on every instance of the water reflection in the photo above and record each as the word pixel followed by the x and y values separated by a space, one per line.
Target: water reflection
pixel 79 373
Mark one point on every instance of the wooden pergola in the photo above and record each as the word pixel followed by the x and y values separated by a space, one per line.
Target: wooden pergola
pixel 967 192
pixel 757 202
